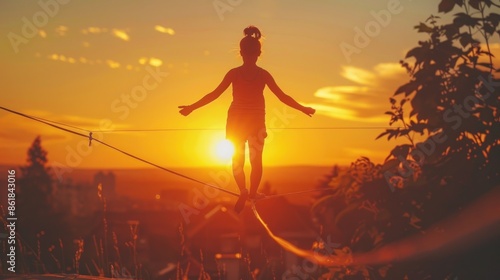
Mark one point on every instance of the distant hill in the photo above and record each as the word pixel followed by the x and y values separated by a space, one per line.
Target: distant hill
pixel 146 183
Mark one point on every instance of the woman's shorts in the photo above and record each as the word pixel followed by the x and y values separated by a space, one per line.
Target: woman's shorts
pixel 243 125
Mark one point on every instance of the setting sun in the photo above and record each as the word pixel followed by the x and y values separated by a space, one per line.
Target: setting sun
pixel 224 150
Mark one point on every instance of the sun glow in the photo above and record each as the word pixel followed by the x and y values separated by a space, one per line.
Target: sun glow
pixel 224 150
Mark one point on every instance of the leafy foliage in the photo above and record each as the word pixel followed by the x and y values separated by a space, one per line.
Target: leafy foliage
pixel 453 95
pixel 452 91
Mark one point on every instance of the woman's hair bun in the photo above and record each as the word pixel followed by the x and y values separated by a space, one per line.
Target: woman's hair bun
pixel 252 31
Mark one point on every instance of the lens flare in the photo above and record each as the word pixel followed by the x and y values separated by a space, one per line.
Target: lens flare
pixel 224 150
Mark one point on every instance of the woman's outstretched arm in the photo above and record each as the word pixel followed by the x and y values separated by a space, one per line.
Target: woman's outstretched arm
pixel 285 98
pixel 186 110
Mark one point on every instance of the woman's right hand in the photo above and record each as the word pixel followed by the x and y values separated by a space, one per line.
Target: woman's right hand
pixel 185 110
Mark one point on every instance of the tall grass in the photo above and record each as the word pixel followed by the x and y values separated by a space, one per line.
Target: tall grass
pixel 87 256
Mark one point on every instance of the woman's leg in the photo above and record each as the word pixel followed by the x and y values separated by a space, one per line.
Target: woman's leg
pixel 256 147
pixel 238 164
pixel 239 174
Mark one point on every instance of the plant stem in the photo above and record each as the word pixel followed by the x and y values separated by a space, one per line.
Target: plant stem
pixel 482 7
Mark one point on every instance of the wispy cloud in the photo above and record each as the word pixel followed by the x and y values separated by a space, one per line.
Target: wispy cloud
pixel 42 33
pixel 165 30
pixel 62 58
pixel 389 70
pixel 86 34
pixel 115 32
pixel 153 61
pixel 94 30
pixel 121 34
pixel 61 30
pixel 366 99
pixel 358 75
pixel 338 112
pixel 112 64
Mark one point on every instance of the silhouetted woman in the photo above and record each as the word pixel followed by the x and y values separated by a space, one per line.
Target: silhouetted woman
pixel 246 115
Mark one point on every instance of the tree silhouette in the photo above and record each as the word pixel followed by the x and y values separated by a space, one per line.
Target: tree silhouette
pixel 453 95
pixel 35 189
pixel 37 219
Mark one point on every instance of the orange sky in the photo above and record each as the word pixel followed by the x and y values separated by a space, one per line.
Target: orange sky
pixel 129 64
